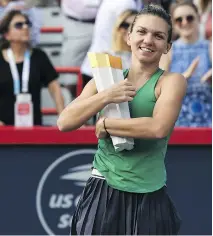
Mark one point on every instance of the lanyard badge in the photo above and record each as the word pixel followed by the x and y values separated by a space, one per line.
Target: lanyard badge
pixel 15 74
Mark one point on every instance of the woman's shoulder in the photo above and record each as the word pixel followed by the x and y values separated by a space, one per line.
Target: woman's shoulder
pixel 177 41
pixel 205 42
pixel 167 75
pixel 39 54
pixel 2 51
pixel 2 57
pixel 38 51
pixel 180 45
pixel 203 46
pixel 170 81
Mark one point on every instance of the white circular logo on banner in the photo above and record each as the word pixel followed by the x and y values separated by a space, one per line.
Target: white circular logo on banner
pixel 60 188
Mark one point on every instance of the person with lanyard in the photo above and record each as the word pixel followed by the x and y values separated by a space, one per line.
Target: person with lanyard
pixel 23 69
pixel 127 192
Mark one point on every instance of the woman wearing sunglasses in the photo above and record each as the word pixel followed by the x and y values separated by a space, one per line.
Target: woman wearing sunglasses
pixel 119 37
pixel 191 56
pixel 23 69
pixel 27 8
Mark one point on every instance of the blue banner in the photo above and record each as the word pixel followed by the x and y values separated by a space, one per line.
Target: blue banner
pixel 41 186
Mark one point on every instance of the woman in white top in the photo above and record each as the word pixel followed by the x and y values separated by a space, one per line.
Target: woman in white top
pixel 119 38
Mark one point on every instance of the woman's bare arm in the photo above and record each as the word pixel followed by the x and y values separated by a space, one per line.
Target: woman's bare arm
pixel 88 104
pixel 55 91
pixel 165 114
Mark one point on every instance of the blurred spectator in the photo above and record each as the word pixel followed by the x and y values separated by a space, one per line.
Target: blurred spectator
pixel 14 29
pixel 32 12
pixel 205 11
pixel 191 56
pixel 119 37
pixel 78 22
pixel 108 12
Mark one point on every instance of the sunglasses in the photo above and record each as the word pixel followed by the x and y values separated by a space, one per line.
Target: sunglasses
pixel 20 25
pixel 124 25
pixel 189 19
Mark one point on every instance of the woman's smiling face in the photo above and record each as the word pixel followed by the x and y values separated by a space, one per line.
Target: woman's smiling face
pixel 149 38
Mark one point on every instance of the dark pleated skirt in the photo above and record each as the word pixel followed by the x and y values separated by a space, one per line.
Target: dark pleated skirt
pixel 103 210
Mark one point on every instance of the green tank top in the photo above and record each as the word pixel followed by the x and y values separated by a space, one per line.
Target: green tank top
pixel 141 169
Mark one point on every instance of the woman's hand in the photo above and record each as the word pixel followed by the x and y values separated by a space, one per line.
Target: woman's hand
pixel 191 69
pixel 2 123
pixel 99 129
pixel 123 91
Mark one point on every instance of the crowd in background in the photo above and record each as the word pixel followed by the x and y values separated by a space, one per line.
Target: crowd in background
pixel 102 26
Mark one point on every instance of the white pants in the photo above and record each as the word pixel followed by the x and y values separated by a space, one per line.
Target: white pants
pixel 77 38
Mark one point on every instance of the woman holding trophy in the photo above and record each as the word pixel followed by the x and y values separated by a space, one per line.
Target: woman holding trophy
pixel 126 193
